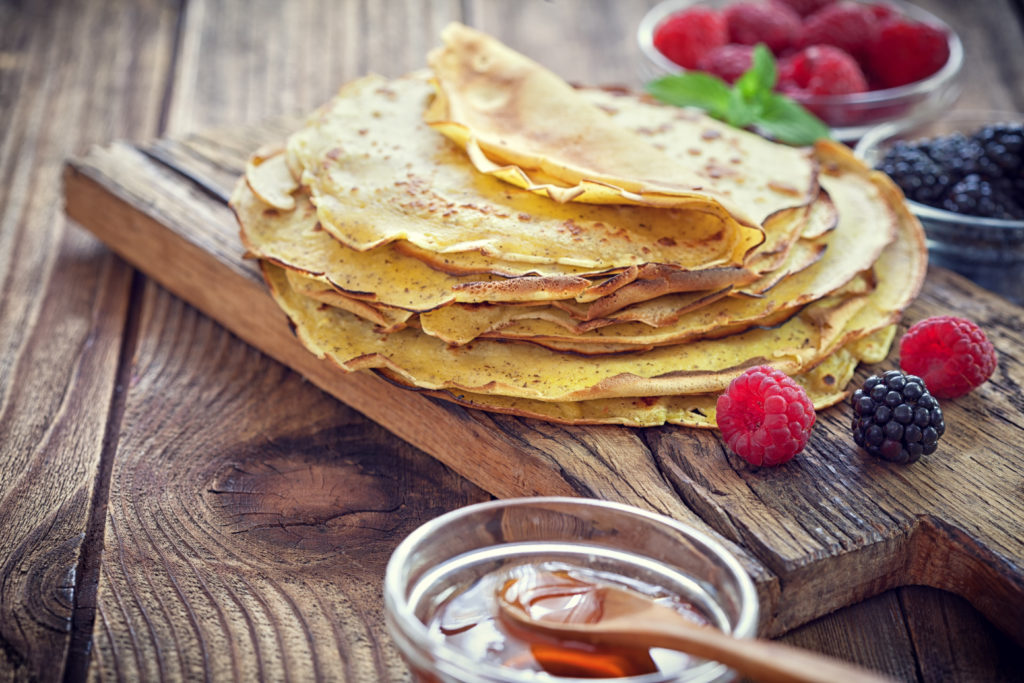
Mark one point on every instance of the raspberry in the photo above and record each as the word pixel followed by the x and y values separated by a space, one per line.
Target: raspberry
pixel 895 418
pixel 953 355
pixel 882 12
pixel 805 7
pixel 685 36
pixel 728 62
pixel 820 70
pixel 850 26
pixel 905 51
pixel 765 417
pixel 750 23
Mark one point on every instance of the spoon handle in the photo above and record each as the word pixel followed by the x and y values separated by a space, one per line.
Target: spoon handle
pixel 760 660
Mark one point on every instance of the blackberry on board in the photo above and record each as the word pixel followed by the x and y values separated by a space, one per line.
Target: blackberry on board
pixel 895 418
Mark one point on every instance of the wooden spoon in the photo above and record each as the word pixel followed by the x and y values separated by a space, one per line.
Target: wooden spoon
pixel 632 619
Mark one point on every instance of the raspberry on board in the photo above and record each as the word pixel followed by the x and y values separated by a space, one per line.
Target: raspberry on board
pixel 685 36
pixel 895 418
pixel 728 62
pixel 904 51
pixel 765 417
pixel 952 355
pixel 775 25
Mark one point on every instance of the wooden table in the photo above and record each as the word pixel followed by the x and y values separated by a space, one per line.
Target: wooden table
pixel 175 504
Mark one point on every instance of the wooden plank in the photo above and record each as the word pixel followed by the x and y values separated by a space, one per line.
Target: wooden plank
pixel 64 301
pixel 952 642
pixel 871 633
pixel 250 518
pixel 989 79
pixel 947 639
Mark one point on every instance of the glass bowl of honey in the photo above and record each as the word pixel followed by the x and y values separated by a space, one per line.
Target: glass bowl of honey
pixel 443 584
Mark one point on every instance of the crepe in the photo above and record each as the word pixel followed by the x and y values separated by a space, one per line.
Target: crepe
pixel 848 249
pixel 522 123
pixel 530 371
pixel 825 385
pixel 296 240
pixel 377 174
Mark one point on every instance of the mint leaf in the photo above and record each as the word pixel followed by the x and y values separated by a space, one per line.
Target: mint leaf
pixel 757 82
pixel 742 112
pixel 693 89
pixel 751 102
pixel 787 121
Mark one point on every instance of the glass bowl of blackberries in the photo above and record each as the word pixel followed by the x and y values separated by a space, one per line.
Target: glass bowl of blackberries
pixel 963 176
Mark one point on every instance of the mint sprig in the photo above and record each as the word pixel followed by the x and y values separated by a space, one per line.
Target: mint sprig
pixel 750 102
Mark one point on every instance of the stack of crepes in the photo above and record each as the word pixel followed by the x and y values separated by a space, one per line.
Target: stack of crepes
pixel 489 235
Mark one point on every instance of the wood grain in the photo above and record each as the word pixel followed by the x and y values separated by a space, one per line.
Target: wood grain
pixel 250 517
pixel 64 299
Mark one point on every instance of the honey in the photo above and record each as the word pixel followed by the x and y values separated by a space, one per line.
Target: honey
pixel 470 621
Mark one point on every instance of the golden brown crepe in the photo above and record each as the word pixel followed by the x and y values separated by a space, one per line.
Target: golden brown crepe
pixel 825 385
pixel 849 250
pixel 522 123
pixel 377 174
pixel 529 371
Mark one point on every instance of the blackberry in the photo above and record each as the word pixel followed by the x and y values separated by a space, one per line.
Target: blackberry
pixel 957 154
pixel 979 175
pixel 895 418
pixel 920 178
pixel 976 196
pixel 1003 143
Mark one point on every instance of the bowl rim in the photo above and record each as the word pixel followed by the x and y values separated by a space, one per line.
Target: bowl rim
pixel 653 18
pixel 884 132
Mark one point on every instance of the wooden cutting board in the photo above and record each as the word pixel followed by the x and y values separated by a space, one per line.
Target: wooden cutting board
pixel 830 528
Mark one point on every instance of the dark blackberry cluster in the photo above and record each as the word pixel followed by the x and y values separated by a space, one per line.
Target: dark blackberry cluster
pixel 978 175
pixel 895 418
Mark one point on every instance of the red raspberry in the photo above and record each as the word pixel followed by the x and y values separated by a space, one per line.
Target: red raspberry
pixel 905 51
pixel 775 25
pixel 805 7
pixel 883 12
pixel 850 26
pixel 821 70
pixel 952 355
pixel 728 62
pixel 765 417
pixel 685 36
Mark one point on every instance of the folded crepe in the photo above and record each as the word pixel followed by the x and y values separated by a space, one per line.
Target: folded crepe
pixel 524 124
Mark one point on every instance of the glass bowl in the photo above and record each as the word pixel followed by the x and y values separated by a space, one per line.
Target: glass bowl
pixel 849 116
pixel 989 251
pixel 463 552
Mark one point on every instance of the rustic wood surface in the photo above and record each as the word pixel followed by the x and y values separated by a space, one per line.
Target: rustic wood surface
pixel 148 470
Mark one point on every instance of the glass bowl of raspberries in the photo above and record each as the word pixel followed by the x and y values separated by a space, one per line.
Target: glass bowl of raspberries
pixel 963 176
pixel 854 64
